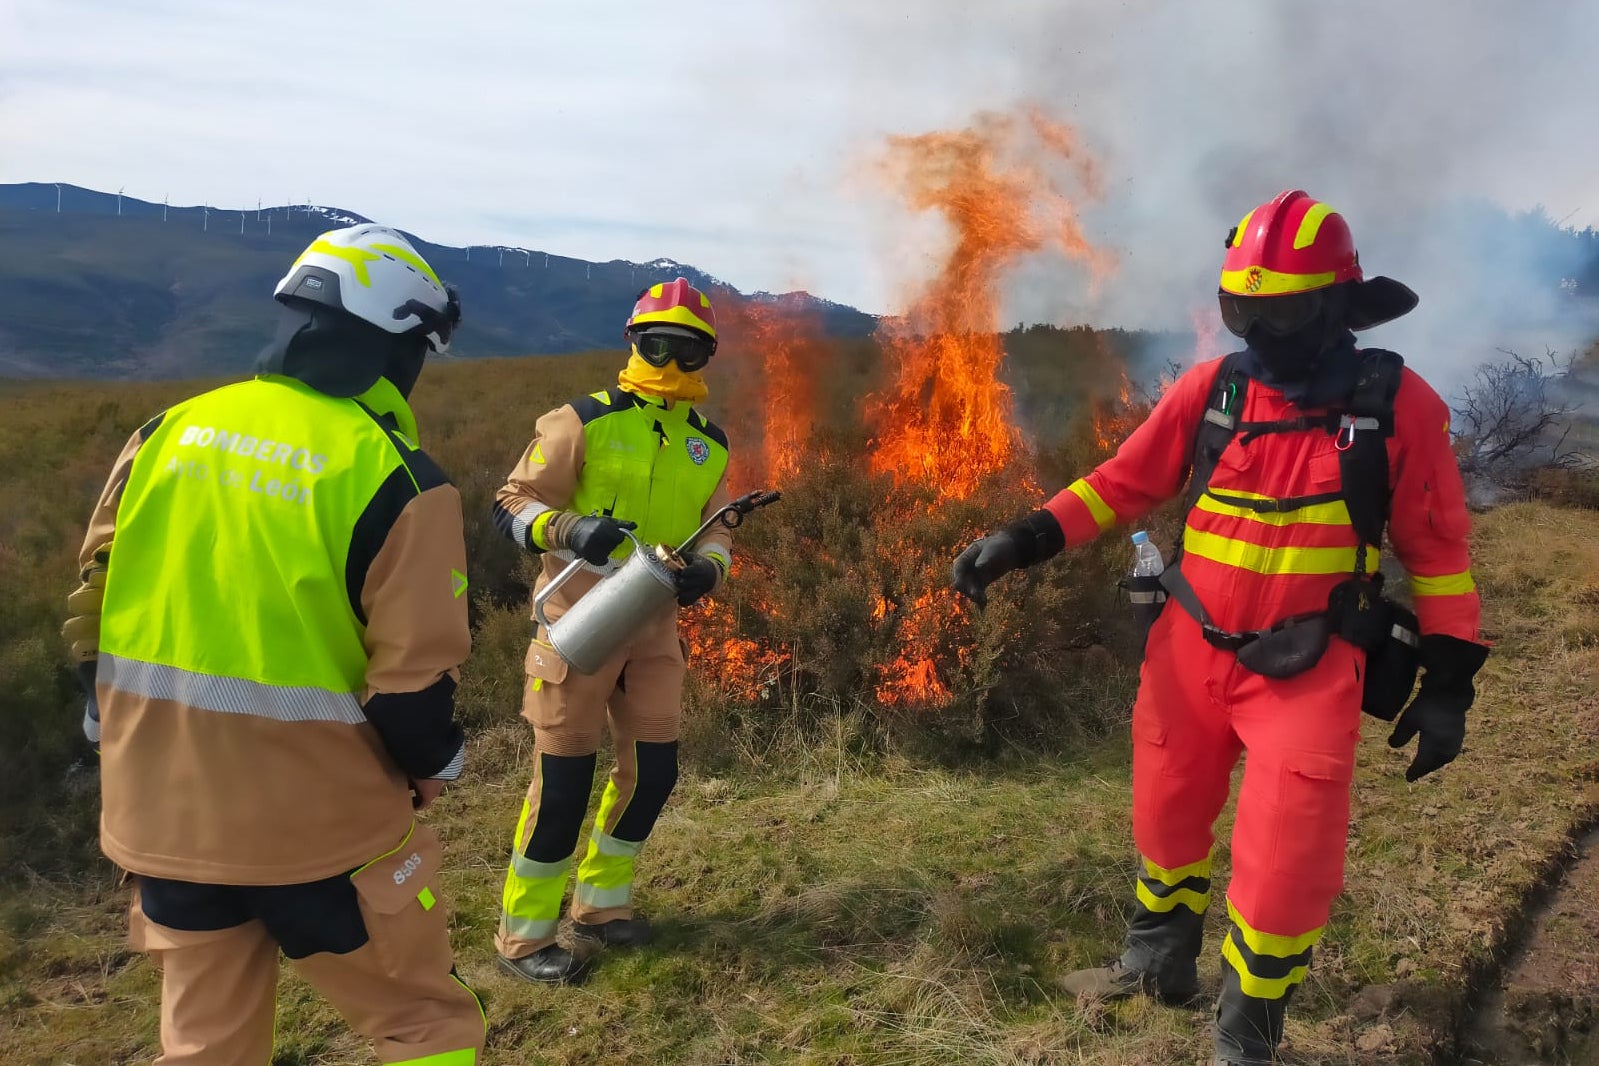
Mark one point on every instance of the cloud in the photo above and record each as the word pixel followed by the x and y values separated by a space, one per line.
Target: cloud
pixel 736 137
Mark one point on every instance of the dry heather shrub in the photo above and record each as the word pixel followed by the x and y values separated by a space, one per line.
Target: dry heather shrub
pixel 841 601
pixel 1565 487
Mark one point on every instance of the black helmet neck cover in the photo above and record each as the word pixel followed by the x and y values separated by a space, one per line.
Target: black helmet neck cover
pixel 338 354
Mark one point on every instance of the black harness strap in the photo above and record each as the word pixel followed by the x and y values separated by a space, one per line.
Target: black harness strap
pixel 1362 427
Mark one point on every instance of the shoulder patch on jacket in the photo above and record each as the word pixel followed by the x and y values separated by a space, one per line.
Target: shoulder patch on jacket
pixel 599 404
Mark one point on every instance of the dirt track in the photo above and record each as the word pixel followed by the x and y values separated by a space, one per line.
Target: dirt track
pixel 1545 1007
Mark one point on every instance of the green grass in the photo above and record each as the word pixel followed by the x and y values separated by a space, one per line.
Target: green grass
pixel 829 908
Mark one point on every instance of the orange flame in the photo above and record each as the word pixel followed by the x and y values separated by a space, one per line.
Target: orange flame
pixel 779 353
pixel 946 419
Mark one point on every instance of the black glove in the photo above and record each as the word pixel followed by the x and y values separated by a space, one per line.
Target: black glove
pixel 1022 543
pixel 698 576
pixel 594 537
pixel 1438 712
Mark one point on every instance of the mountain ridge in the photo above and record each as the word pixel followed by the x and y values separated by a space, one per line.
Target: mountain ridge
pixel 113 286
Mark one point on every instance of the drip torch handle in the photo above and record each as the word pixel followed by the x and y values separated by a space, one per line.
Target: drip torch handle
pixel 731 516
pixel 564 576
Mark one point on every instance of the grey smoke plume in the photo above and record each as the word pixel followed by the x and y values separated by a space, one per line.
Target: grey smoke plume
pixel 1408 117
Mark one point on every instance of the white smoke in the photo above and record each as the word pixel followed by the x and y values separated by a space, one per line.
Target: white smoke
pixel 1399 115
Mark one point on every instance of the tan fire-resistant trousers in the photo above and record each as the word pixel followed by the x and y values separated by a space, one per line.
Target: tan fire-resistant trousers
pixel 218 987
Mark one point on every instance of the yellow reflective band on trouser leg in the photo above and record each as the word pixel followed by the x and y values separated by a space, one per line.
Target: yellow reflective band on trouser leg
pixel 1160 889
pixel 1269 965
pixel 464 1057
pixel 605 876
pixel 530 906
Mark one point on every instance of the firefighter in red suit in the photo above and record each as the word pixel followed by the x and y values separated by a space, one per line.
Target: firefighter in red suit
pixel 1258 652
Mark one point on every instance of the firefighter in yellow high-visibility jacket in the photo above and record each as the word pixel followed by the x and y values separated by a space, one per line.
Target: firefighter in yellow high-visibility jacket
pixel 634 457
pixel 272 620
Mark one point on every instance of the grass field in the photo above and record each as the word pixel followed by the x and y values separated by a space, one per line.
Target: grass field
pixel 818 905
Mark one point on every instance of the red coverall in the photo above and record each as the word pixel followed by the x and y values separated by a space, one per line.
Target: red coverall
pixel 1198 708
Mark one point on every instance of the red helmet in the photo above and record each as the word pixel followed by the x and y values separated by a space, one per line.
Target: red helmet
pixel 674 303
pixel 1294 244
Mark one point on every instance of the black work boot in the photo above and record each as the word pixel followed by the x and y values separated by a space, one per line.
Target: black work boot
pixel 616 933
pixel 1247 1029
pixel 550 965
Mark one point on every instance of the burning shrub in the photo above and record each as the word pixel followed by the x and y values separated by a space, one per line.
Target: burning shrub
pixel 841 603
pixel 842 600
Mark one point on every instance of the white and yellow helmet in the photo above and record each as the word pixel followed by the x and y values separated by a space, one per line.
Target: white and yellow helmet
pixel 374 273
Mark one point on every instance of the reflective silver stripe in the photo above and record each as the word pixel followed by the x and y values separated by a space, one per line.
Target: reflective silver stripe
pixel 523 521
pixel 229 695
pixel 567 556
pixel 606 844
pixel 603 898
pixel 528 869
pixel 528 928
pixel 453 768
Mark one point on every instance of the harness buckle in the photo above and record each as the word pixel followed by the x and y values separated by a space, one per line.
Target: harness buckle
pixel 1348 425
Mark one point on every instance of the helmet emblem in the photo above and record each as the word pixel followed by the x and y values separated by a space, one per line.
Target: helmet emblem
pixel 698 451
pixel 1254 279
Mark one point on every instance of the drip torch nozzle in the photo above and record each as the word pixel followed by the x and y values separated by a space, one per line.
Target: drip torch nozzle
pixel 732 516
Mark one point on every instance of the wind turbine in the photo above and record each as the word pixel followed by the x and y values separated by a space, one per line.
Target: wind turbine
pixel 164 200
pixel 205 218
pixel 241 223
pixel 119 202
pixel 527 258
pixel 58 197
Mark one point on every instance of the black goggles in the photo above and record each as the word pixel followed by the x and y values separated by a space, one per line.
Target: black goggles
pixel 1278 315
pixel 658 349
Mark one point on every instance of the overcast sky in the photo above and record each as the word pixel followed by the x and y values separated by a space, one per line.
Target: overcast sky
pixel 735 136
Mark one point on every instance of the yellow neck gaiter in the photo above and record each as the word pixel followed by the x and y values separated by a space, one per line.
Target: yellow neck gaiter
pixel 669 382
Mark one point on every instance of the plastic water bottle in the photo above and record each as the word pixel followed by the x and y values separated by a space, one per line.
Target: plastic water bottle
pixel 1146 557
pixel 1143 585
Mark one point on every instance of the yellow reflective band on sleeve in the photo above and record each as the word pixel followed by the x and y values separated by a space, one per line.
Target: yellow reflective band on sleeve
pixel 411 260
pixel 1443 585
pixel 1272 943
pixel 1177 876
pixel 1335 513
pixel 1274 561
pixel 1260 987
pixel 1310 225
pixel 464 1057
pixel 1104 517
pixel 540 525
pixel 1198 902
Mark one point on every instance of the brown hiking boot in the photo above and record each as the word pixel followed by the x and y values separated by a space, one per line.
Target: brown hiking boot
pixel 1104 984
